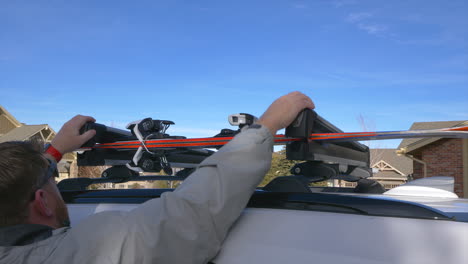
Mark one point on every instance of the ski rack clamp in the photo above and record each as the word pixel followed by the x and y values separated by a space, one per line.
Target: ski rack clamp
pixel 337 159
pixel 144 159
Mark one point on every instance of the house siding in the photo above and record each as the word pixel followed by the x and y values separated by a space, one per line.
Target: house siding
pixel 444 158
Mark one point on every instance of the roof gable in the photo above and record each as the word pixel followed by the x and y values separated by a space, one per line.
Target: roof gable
pixel 3 111
pixel 7 121
pixel 27 131
pixel 388 159
pixel 384 166
pixel 411 144
pixel 389 175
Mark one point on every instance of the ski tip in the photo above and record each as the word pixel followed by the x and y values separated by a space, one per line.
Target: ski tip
pixel 463 128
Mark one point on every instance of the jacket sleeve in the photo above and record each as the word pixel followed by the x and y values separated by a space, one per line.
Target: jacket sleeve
pixel 189 224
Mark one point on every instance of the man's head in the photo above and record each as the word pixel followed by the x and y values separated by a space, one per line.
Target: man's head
pixel 28 193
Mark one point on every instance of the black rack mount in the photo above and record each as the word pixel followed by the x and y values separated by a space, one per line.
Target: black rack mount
pixel 349 161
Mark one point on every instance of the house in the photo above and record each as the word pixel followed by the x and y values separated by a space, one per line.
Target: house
pixel 390 169
pixel 439 156
pixel 13 130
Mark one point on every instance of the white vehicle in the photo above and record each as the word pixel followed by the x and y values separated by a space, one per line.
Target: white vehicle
pixel 288 221
pixel 324 227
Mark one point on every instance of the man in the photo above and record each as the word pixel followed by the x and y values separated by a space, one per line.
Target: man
pixel 187 225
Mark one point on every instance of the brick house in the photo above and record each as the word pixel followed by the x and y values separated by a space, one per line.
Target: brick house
pixel 12 130
pixel 439 156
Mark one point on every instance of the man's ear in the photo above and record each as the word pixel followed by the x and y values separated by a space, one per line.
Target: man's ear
pixel 40 203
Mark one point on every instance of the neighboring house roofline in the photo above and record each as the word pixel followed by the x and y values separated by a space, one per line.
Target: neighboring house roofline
pixel 388 160
pixel 10 117
pixel 25 132
pixel 419 143
pixel 382 163
pixel 386 178
pixel 22 132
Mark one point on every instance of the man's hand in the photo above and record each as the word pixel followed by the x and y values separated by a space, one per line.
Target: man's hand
pixel 284 110
pixel 69 138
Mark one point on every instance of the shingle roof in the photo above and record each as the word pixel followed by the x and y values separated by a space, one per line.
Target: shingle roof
pixel 428 125
pixel 388 175
pixel 401 163
pixel 22 133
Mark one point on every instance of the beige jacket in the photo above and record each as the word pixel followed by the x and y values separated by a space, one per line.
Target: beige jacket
pixel 184 226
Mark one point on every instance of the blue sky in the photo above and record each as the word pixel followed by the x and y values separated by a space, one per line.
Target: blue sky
pixel 195 62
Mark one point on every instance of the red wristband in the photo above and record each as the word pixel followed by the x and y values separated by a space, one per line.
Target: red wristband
pixel 54 153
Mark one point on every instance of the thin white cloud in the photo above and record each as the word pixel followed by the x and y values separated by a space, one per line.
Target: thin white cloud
pixel 361 20
pixel 418 18
pixel 372 28
pixel 299 6
pixel 357 17
pixel 425 112
pixel 341 3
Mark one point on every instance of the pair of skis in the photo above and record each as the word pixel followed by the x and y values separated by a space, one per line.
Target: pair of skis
pixel 212 142
pixel 145 146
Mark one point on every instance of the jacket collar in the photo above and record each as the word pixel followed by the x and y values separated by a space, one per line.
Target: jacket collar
pixel 24 234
